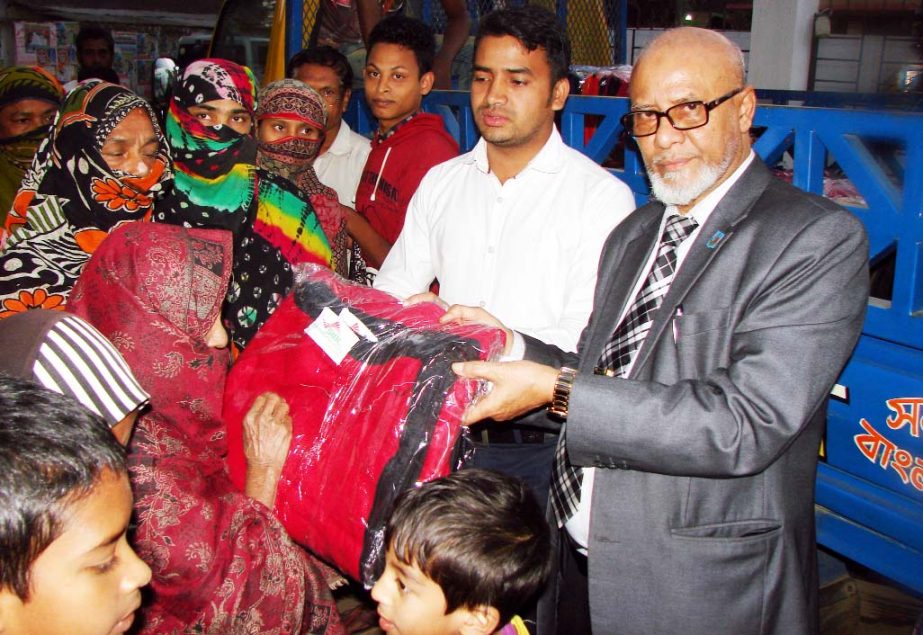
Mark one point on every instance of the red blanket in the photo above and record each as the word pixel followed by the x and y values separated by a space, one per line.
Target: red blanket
pixel 364 430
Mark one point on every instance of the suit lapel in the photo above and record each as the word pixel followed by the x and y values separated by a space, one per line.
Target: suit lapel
pixel 717 231
pixel 619 275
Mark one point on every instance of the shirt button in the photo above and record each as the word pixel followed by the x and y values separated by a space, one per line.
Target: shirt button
pixel 482 304
pixel 490 250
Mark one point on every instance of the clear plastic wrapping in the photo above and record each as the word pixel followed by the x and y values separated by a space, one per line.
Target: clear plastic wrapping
pixel 375 406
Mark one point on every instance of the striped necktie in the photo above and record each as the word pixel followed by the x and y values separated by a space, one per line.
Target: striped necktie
pixel 619 352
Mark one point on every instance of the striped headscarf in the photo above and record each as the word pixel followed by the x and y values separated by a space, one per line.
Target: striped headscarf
pixel 219 186
pixel 65 354
pixel 294 100
pixel 28 82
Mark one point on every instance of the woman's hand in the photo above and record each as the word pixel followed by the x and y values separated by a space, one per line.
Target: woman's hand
pixel 267 437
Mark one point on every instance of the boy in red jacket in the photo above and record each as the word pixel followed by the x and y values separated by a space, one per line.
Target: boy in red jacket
pixel 398 74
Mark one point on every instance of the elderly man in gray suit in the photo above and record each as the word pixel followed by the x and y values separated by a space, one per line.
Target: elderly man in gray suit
pixel 723 313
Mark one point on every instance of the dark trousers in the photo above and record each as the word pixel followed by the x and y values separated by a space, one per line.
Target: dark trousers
pixel 573 610
pixel 529 461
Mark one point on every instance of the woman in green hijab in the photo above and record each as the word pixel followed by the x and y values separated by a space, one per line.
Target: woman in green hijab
pixel 29 100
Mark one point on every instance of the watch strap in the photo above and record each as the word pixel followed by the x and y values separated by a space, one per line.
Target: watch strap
pixel 560 397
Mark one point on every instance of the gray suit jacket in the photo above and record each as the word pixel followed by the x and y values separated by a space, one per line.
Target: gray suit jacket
pixel 702 518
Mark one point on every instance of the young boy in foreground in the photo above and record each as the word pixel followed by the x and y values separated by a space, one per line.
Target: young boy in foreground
pixel 464 552
pixel 65 502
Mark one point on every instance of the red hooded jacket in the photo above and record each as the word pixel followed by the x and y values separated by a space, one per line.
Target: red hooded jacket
pixel 395 168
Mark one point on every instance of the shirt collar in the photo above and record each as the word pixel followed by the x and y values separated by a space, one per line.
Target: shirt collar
pixel 340 144
pixel 549 159
pixel 381 136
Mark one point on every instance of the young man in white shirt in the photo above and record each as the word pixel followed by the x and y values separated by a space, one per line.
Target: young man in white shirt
pixel 517 224
pixel 343 153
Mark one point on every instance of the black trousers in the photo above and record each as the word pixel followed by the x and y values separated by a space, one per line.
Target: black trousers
pixel 530 462
pixel 573 608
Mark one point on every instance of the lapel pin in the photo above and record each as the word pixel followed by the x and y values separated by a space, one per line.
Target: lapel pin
pixel 715 239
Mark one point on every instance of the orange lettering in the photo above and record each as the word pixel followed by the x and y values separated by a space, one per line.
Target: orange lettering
pixel 869 443
pixel 912 416
pixel 903 461
pixel 916 475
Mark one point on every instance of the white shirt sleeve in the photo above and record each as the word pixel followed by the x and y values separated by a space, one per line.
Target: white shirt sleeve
pixel 408 268
pixel 517 350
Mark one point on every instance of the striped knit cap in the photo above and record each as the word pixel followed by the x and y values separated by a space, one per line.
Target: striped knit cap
pixel 65 354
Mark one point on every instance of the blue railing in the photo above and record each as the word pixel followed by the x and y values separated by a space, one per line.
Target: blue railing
pixel 911 102
pixel 881 154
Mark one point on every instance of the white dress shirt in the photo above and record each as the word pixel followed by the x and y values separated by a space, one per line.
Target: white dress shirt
pixel 340 167
pixel 526 250
pixel 578 526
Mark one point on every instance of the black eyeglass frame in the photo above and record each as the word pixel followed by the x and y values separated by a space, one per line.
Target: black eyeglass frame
pixel 709 106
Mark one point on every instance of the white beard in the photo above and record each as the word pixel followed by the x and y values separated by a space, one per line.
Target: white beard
pixel 672 190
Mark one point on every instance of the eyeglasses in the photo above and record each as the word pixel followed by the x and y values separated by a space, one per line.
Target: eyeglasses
pixel 685 116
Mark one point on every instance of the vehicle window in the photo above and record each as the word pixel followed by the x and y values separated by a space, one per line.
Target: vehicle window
pixel 242 33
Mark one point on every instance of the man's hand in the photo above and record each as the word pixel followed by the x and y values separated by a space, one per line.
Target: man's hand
pixel 374 247
pixel 428 296
pixel 475 315
pixel 516 388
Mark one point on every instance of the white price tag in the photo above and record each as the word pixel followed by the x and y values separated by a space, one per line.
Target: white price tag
pixel 356 325
pixel 332 334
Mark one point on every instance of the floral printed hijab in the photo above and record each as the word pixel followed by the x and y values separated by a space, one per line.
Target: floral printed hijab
pixel 293 157
pixel 70 199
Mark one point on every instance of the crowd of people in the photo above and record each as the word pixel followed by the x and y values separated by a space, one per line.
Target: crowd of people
pixel 644 457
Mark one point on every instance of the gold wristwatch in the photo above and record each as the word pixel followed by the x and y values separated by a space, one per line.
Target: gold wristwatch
pixel 560 397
